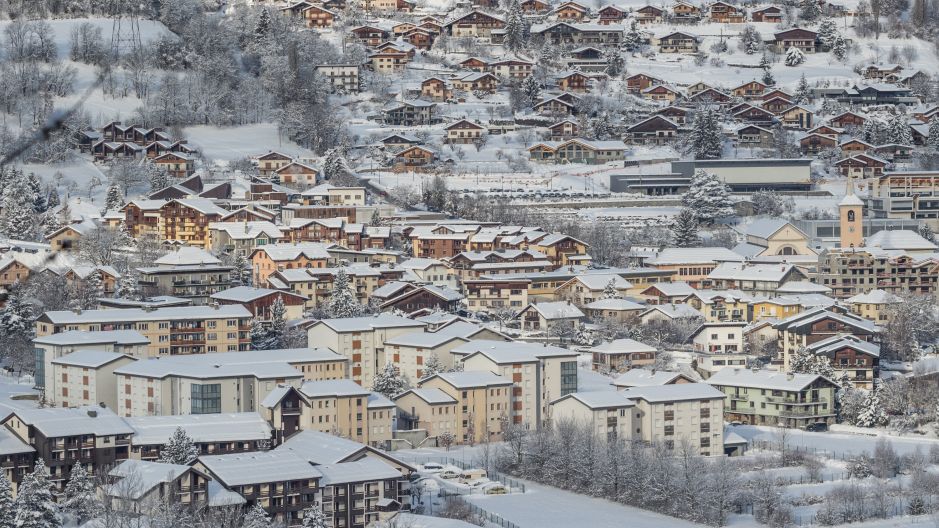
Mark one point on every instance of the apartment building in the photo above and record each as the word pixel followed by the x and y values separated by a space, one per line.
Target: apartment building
pixel 278 257
pixel 819 324
pixel 242 238
pixel 874 305
pixel 16 458
pixel 621 355
pixel 362 341
pixel 496 294
pixel 134 485
pixel 195 282
pixel 908 194
pixel 53 346
pixel 609 414
pixel 755 279
pixel 851 357
pixel 767 397
pixel 585 289
pixel 482 401
pixel 853 271
pixel 539 374
pixel 92 436
pixel 682 413
pixel 171 331
pixel 344 408
pixel 431 410
pixel 85 377
pixel 212 434
pixel 692 265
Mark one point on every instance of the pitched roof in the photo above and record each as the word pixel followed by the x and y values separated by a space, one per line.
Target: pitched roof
pixel 763 379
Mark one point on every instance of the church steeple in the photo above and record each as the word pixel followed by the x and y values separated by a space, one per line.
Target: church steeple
pixel 851 215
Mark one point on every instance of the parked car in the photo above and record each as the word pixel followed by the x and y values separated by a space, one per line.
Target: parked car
pixel 472 474
pixel 818 427
pixel 449 474
pixel 494 488
pixel 433 467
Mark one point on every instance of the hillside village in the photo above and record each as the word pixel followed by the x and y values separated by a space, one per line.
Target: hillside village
pixel 454 263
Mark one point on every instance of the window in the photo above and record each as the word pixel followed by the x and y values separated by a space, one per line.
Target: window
pixel 669 430
pixel 568 377
pixel 206 399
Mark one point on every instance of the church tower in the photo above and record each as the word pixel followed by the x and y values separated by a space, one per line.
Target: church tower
pixel 850 212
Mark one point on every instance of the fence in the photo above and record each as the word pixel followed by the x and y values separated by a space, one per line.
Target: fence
pixel 509 482
pixel 829 453
pixel 489 516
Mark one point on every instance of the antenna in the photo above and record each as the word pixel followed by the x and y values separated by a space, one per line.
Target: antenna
pixel 125 30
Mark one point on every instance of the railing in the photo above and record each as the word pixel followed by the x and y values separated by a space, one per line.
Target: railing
pixel 489 516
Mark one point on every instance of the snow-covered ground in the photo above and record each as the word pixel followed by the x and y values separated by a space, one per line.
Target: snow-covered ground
pixel 224 144
pixel 836 444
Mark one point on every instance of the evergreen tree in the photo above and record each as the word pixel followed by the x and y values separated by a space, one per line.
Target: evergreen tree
pixel 94 284
pixel 35 503
pixel 257 518
pixel 18 220
pixel 262 28
pixel 7 506
pixel 610 291
pixel 16 316
pixel 810 10
pixel 705 140
pixel 80 501
pixel 241 274
pixel 804 362
pixel 431 366
pixel 632 41
pixel 52 197
pixel 277 331
pixel 926 232
pixel 39 197
pixel 872 413
pixel 750 40
pixel 932 142
pixel 157 177
pixel 685 229
pixel 342 302
pixel 334 164
pixel 803 93
pixel 899 130
pixel 389 381
pixel 768 78
pixel 180 449
pixel 827 33
pixel 708 197
pixel 531 89
pixel 313 517
pixel 375 221
pixel 794 56
pixel 128 286
pixel 258 334
pixel 516 29
pixel 615 65
pixel 114 199
pixel 840 48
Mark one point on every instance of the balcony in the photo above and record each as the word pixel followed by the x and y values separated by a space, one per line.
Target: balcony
pixel 785 401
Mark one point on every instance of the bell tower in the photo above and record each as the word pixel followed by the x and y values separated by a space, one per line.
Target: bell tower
pixel 851 215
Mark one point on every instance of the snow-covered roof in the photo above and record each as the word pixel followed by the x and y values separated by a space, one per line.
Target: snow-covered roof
pixel 600 399
pixel 332 388
pixel 171 313
pixel 674 289
pixel 838 342
pixel 599 281
pixel 900 239
pixel 141 477
pixel 676 392
pixel 762 379
pixel 674 256
pixel 259 467
pixel 259 363
pixel 90 358
pixel 55 422
pixel 510 351
pixel 646 378
pixel 365 470
pixel 246 294
pixel 187 255
pixel 248 230
pixel 740 271
pixel 803 286
pixel 622 346
pixel 230 427
pixel 471 379
pixel 614 305
pixel 10 444
pixel 433 396
pixel 369 323
pixel 874 297
pixel 79 337
pixel 674 311
pixel 557 310
pixel 320 448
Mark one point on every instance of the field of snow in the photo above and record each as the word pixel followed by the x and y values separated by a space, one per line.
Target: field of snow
pixel 224 144
pixel 836 444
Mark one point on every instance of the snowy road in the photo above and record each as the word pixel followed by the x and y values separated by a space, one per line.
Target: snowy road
pixel 835 443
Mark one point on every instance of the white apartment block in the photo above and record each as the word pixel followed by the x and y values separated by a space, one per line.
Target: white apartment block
pixel 85 377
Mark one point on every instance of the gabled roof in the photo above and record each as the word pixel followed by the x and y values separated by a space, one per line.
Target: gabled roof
pixel 764 379
pixel 648 378
pixel 556 310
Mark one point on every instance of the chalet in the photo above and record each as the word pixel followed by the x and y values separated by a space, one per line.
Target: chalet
pixel 370 36
pixel 415 157
pixel 408 113
pixel 894 152
pixel 660 92
pixel 389 61
pixel 638 82
pixel 774 93
pixel 611 14
pixel 678 42
pixel 570 11
pixel 475 24
pixel 814 143
pixel 396 142
pixel 882 72
pixel 674 114
pixel 826 131
pixel 753 114
pixel 776 105
pixel 798 117
pixel 436 89
pixel 556 106
pixel 649 15
pixel 726 13
pixel 474 64
pixel 511 69
pixel 586 58
pixel 755 137
pixel 656 130
pixel 315 16
pixel 711 96
pixel 570 33
pixel 798 38
pixel 108 149
pixel 296 173
pixel 402 28
pixel 87 138
pixel 578 151
pixel 861 166
pixel 770 14
pixel 685 12
pixel 697 88
pixel 420 38
pixel 533 7
pixel 464 132
pixel 400 6
pixel 175 164
pixel 847 119
pixel 878 94
pixel 573 81
pixel 749 90
pixel 476 82
pixel 563 130
pixel 270 162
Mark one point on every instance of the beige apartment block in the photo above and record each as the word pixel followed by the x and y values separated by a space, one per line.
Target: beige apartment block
pixel 343 408
pixel 671 415
pixel 432 410
pixel 174 330
pixel 361 340
pixel 539 374
pixel 482 401
pixel 608 413
pixel 85 377
pixel 50 347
